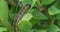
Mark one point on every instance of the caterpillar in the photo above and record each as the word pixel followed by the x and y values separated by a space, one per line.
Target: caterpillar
pixel 19 15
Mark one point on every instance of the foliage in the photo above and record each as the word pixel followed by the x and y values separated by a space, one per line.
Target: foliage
pixel 34 15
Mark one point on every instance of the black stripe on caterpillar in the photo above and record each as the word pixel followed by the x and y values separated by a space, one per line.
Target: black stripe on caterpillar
pixel 19 15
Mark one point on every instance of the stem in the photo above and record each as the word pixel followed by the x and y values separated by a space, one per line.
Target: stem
pixel 52 19
pixel 40 6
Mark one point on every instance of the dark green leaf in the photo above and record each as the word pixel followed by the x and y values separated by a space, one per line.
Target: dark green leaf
pixel 37 15
pixel 25 26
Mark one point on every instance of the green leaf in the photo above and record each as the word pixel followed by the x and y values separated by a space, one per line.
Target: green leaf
pixel 25 26
pixel 58 23
pixel 58 4
pixel 2 29
pixel 27 17
pixel 21 0
pixel 45 2
pixel 33 30
pixel 53 10
pixel 52 28
pixel 24 2
pixel 58 16
pixel 32 4
pixel 41 31
pixel 3 10
pixel 6 24
pixel 37 14
pixel 4 15
pixel 12 13
pixel 38 30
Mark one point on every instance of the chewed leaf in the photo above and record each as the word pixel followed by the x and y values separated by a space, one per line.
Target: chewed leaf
pixel 53 10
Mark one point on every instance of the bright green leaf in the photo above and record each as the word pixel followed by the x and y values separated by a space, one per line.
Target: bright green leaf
pixel 41 31
pixel 3 10
pixel 2 29
pixel 27 17
pixel 53 10
pixel 33 3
